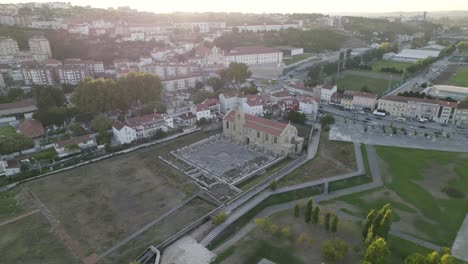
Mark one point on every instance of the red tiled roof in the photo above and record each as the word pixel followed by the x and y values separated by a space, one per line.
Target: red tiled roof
pixel 246 50
pixel 73 141
pixel 118 124
pixel 404 99
pixel 364 94
pixel 31 128
pixel 211 101
pixel 258 123
pixel 187 116
pixel 202 107
pixel 282 93
pixel 12 164
pixel 307 99
pixel 141 120
pixel 254 100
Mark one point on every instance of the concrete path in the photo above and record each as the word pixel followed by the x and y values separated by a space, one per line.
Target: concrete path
pixel 376 182
pixel 460 246
pixel 19 217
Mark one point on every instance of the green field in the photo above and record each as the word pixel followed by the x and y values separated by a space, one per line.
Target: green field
pixel 356 83
pixel 10 141
pixel 296 58
pixel 460 78
pixel 376 66
pixel 422 187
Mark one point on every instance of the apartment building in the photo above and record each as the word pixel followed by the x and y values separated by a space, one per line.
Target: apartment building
pixel 181 83
pixel 435 110
pixel 71 74
pixel 207 109
pixel 252 55
pixel 40 46
pixel 141 127
pixel 37 74
pixel 324 92
pixel 202 27
pixel 93 67
pixel 253 105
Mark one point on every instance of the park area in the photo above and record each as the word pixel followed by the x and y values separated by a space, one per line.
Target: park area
pixel 333 158
pixel 373 82
pixel 427 191
pixel 302 243
pixel 460 78
pixel 378 65
pixel 98 205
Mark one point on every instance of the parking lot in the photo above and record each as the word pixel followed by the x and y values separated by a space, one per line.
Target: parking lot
pixel 368 133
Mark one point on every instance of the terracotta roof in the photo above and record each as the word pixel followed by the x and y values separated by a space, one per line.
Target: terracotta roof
pixel 12 164
pixel 364 94
pixel 141 120
pixel 18 104
pixel 211 101
pixel 404 99
pixel 307 99
pixel 118 124
pixel 246 50
pixel 73 141
pixel 258 123
pixel 202 107
pixel 254 100
pixel 282 93
pixel 31 128
pixel 187 116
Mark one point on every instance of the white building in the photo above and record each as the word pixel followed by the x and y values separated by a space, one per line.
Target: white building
pixel 37 75
pixel 71 74
pixel 91 66
pixel 208 109
pixel 308 105
pixel 181 83
pixel 253 105
pixel 79 29
pixel 266 27
pixel 228 101
pixel 202 27
pixel 10 167
pixel 74 145
pixel 252 55
pixel 8 49
pixel 141 127
pixel 40 46
pixel 324 92
pixel 412 55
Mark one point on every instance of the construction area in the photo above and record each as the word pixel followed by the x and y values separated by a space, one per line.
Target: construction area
pixel 228 162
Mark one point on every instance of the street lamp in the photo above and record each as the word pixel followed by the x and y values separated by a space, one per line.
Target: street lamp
pixel 390 82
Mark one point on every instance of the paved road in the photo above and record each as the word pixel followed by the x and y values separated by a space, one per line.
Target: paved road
pixel 460 245
pixel 376 182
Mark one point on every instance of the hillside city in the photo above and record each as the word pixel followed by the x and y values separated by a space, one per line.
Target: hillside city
pixel 129 136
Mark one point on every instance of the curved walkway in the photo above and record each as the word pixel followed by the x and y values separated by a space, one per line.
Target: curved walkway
pixel 376 182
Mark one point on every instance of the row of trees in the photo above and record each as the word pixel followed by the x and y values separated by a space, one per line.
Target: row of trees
pixel 101 95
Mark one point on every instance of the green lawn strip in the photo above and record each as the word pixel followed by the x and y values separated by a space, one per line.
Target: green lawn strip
pixel 406 167
pixel 260 249
pixel 272 200
pixel 297 58
pixel 376 66
pixel 224 255
pixel 249 183
pixel 8 206
pixel 354 181
pixel 30 240
pixel 460 78
pixel 356 83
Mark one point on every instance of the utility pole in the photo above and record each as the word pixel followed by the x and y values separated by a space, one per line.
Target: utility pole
pixel 402 76
pixel 390 82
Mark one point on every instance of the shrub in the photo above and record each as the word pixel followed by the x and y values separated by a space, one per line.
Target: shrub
pixel 453 192
pixel 334 250
pixel 219 218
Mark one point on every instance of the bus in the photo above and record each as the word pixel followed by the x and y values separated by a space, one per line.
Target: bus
pixel 378 112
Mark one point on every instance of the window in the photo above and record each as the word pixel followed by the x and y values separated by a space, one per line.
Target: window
pixel 266 136
pixel 258 134
pixel 275 140
pixel 227 124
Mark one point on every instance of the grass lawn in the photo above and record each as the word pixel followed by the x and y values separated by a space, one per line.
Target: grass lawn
pixel 416 183
pixel 333 158
pixel 10 141
pixel 31 240
pixel 460 78
pixel 355 83
pixel 297 58
pixel 376 66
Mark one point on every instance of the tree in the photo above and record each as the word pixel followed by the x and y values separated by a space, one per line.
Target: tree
pixel 216 83
pixel 327 220
pixel 52 116
pixel 334 250
pixel 219 218
pixel 377 224
pixel 238 73
pixel 297 117
pixel 433 258
pixel 296 211
pixel 47 96
pixel 308 211
pixel 377 252
pixel 77 130
pixel 101 123
pixel 286 231
pixel 315 215
pixel 140 87
pixel 327 120
pixel 334 223
pixel 415 258
pixel 273 185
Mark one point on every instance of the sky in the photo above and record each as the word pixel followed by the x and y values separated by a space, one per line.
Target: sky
pixel 273 6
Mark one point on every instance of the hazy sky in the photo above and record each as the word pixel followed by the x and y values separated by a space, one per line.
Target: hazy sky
pixel 278 6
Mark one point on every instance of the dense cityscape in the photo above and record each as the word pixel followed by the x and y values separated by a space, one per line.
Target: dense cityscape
pixel 128 136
